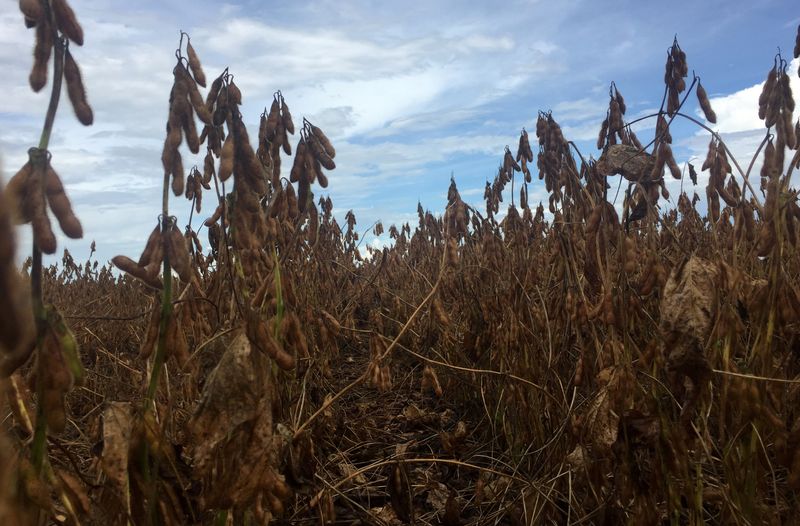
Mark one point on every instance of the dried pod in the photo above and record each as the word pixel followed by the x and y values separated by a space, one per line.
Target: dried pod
pixel 226 159
pixel 194 65
pixel 666 154
pixel 261 337
pixel 273 119
pixel 60 205
pixel 152 248
pixel 234 94
pixel 286 117
pixel 66 21
pixel 213 92
pixel 32 9
pixel 431 381
pixel 797 44
pixel 299 158
pixel 601 137
pixel 189 193
pixel 705 105
pixel 287 147
pixel 178 178
pixel 178 254
pixel 323 139
pixel 129 266
pixel 620 100
pixel 76 91
pixel 768 167
pixel 41 56
pixel 151 335
pixel 17 195
pixel 35 199
pixel 766 92
pixel 322 180
pixel 215 216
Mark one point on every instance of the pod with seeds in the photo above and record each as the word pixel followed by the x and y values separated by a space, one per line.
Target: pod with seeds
pixel 711 155
pixel 178 254
pixel 789 130
pixel 32 9
pixel 705 104
pixel 76 91
pixel 670 160
pixel 178 178
pixel 189 193
pixel 322 179
pixel 195 241
pixel 194 65
pixel 768 168
pixel 766 92
pixel 152 248
pixel 273 119
pixel 299 159
pixel 601 137
pixel 176 344
pixel 226 159
pixel 234 94
pixel 192 140
pixel 198 193
pixel 17 194
pixel 620 100
pixel 67 344
pixel 323 139
pixel 430 381
pixel 287 147
pixel 41 56
pixel 786 89
pixel 259 334
pixel 303 192
pixel 129 266
pixel 726 196
pixel 208 168
pixel 42 230
pixel 292 202
pixel 213 92
pixel 220 115
pixel 286 117
pixel 189 88
pixel 766 239
pixel 67 21
pixel 658 166
pixel 151 334
pixel 60 205
pixel 173 139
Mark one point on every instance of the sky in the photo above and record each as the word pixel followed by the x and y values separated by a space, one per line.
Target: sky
pixel 408 94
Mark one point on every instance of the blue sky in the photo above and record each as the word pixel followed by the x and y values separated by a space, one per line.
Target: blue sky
pixel 407 92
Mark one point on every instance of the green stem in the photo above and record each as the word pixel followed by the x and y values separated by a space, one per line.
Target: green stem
pixel 166 314
pixel 160 355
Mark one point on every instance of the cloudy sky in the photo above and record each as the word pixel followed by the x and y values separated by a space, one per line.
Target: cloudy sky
pixel 409 93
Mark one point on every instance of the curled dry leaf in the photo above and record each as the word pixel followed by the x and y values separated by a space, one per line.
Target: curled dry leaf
pixel 234 450
pixel 628 161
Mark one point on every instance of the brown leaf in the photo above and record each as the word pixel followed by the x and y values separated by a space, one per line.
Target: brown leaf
pixel 117 430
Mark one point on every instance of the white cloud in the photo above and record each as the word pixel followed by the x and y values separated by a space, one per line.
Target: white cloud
pixel 407 95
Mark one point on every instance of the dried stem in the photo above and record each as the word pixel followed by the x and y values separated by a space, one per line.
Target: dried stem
pixel 38 156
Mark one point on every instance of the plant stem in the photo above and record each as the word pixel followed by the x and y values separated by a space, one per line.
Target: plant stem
pixel 150 472
pixel 38 157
